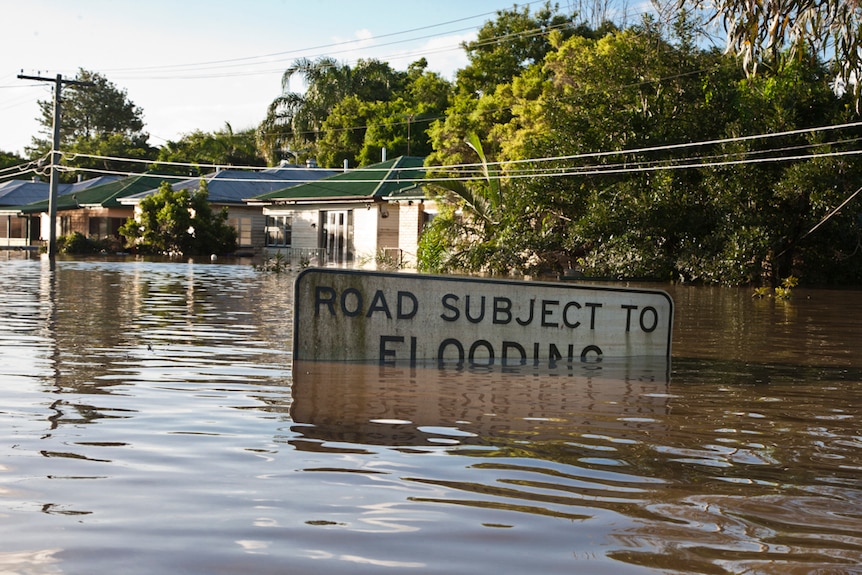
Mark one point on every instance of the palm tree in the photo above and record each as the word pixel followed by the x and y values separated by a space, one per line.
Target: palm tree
pixel 467 241
pixel 294 120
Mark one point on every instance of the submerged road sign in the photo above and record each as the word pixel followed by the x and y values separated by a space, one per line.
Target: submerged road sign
pixel 351 315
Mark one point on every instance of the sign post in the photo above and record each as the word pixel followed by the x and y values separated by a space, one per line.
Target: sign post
pixel 351 315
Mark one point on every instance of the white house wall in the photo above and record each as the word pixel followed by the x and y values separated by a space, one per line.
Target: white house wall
pixel 411 217
pixel 388 229
pixel 366 222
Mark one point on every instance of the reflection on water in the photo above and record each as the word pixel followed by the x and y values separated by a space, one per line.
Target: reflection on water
pixel 815 327
pixel 154 423
pixel 400 406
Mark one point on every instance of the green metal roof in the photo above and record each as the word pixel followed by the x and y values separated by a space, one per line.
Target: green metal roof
pixel 105 195
pixel 375 181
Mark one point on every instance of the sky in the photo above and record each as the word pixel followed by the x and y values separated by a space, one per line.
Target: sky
pixel 199 64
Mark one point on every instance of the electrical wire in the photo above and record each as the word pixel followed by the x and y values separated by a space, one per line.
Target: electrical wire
pixel 712 157
pixel 322 46
pixel 472 171
pixel 19 169
pixel 578 172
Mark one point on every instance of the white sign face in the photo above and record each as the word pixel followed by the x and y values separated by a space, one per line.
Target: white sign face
pixel 350 315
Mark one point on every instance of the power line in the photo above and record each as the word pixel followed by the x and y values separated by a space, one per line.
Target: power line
pixel 324 46
pixel 461 177
pixel 472 171
pixel 212 69
pixel 24 168
pixel 832 213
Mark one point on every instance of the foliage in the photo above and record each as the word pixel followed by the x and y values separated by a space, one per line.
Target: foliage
pixel 508 45
pixel 762 31
pixel 180 222
pixel 344 131
pixel 295 121
pixel 10 160
pixel 611 193
pixel 96 120
pixel 107 147
pixel 475 228
pixel 351 114
pixel 221 148
pixel 781 292
pixel 279 263
pixel 77 243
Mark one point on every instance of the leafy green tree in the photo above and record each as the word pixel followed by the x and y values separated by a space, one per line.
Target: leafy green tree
pixel 508 45
pixel 344 132
pixel 97 120
pixel 294 121
pixel 9 160
pixel 222 148
pixel 591 96
pixel 401 125
pixel 390 126
pixel 774 204
pixel 173 222
pixel 824 245
pixel 628 90
pixel 512 47
pixel 427 92
pixel 762 32
pixel 653 209
pixel 472 225
pixel 360 126
pixel 470 115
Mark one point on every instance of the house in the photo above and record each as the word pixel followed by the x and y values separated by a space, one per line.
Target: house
pixel 24 207
pixel 94 212
pixel 97 208
pixel 365 216
pixel 229 188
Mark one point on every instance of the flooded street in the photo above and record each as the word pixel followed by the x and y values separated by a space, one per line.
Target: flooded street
pixel 154 422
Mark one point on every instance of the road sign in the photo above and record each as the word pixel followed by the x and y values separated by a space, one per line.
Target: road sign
pixel 352 315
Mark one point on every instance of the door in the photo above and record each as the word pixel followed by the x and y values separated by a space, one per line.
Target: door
pixel 337 235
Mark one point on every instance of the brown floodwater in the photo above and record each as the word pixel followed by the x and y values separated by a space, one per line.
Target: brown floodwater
pixel 154 422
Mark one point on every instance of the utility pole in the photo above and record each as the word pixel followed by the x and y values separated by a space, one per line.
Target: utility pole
pixel 55 154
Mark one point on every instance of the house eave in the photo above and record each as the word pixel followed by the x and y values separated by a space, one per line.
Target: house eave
pixel 329 200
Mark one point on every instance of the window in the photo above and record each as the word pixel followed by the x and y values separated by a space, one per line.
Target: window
pixel 278 230
pixel 65 225
pixel 105 227
pixel 243 230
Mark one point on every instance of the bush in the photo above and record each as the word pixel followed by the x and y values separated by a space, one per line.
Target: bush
pixel 77 243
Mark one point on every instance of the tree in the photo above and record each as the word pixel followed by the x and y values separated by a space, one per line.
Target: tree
pixel 358 129
pixel 97 120
pixel 588 146
pixel 513 46
pixel 180 222
pixel 10 160
pixel 763 31
pixel 506 46
pixel 294 121
pixel 769 208
pixel 630 90
pixel 472 225
pixel 221 148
